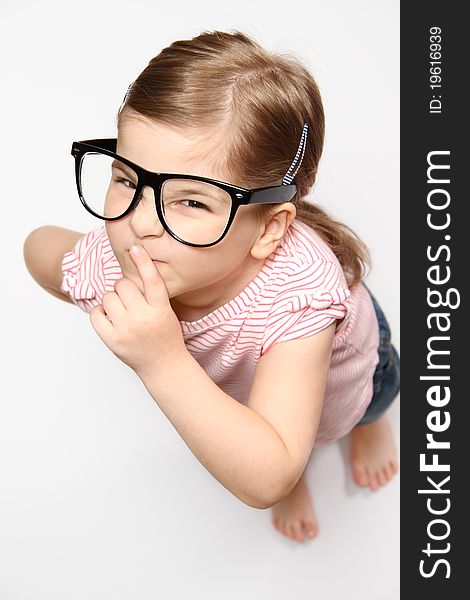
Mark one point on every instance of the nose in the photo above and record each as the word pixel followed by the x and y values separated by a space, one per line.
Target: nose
pixel 144 219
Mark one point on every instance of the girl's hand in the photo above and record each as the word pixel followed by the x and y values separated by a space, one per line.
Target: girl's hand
pixel 141 329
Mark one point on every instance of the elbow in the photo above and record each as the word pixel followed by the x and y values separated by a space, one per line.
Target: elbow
pixel 279 497
pixel 265 503
pixel 283 486
pixel 268 500
pixel 284 489
pixel 274 485
pixel 258 503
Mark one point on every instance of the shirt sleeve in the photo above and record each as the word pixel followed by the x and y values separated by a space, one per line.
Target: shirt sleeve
pixel 90 269
pixel 312 297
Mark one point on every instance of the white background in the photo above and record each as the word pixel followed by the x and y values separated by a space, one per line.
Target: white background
pixel 99 496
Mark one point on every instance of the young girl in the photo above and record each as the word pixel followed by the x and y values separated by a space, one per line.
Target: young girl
pixel 244 313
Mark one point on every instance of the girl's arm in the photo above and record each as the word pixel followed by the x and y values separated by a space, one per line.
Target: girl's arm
pixel 257 451
pixel 43 251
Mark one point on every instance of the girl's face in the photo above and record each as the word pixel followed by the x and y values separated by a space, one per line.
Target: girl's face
pixel 198 280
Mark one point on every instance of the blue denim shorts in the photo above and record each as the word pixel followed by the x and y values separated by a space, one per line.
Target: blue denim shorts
pixel 386 383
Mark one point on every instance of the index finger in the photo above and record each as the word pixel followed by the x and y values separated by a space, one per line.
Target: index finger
pixel 154 287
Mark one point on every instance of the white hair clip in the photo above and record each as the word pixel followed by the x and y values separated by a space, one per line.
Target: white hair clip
pixel 303 142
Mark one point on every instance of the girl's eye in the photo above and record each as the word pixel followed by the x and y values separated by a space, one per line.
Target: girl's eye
pixel 124 182
pixel 194 203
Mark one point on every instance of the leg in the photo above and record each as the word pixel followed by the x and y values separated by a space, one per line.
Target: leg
pixel 373 454
pixel 295 513
pixel 372 448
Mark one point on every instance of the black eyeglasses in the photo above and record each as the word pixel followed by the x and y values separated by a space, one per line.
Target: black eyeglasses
pixel 110 187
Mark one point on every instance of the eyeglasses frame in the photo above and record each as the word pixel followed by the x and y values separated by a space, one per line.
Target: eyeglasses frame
pixel 239 195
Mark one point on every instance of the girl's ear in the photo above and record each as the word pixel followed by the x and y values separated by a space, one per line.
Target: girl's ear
pixel 272 230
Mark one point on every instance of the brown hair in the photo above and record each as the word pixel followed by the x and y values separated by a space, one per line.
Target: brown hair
pixel 253 104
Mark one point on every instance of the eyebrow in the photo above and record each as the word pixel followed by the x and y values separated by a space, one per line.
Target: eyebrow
pixel 120 165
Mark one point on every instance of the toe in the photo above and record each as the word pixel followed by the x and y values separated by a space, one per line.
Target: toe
pixel 299 536
pixel 285 529
pixel 373 483
pixel 387 474
pixel 310 528
pixel 381 477
pixel 291 530
pixel 359 474
pixel 279 526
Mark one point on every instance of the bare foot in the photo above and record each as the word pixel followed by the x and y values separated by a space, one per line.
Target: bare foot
pixel 295 514
pixel 373 454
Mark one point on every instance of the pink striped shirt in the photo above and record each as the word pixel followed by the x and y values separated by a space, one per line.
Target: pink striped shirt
pixel 300 290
